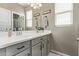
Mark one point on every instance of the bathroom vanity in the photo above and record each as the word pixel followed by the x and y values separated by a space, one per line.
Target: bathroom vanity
pixel 30 43
pixel 16 41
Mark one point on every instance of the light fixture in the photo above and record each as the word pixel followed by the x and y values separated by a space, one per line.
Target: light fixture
pixel 35 5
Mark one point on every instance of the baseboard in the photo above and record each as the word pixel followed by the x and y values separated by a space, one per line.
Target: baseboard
pixel 59 53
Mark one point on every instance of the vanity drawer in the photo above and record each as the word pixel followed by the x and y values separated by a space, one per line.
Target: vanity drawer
pixel 24 53
pixel 44 38
pixel 14 49
pixel 35 41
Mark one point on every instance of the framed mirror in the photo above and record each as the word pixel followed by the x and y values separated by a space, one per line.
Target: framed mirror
pixel 18 22
pixel 5 19
pixel 45 22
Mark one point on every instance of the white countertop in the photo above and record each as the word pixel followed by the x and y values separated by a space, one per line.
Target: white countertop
pixel 6 41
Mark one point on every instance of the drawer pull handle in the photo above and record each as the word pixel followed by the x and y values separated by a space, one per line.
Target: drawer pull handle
pixel 21 47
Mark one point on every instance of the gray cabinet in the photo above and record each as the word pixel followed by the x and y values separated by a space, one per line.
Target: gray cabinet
pixel 36 50
pixel 2 52
pixel 45 45
pixel 44 48
pixel 48 45
pixel 78 47
pixel 35 47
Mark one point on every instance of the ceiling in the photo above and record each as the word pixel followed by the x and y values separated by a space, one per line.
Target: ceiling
pixel 23 4
pixel 28 4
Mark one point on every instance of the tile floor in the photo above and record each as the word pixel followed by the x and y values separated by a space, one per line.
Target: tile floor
pixel 53 54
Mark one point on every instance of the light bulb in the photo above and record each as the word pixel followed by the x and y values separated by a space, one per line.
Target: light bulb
pixel 34 7
pixel 40 5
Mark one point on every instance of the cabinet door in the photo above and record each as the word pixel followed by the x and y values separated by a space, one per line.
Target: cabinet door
pixel 36 50
pixel 24 53
pixel 78 47
pixel 45 45
pixel 48 45
pixel 44 48
pixel 2 52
